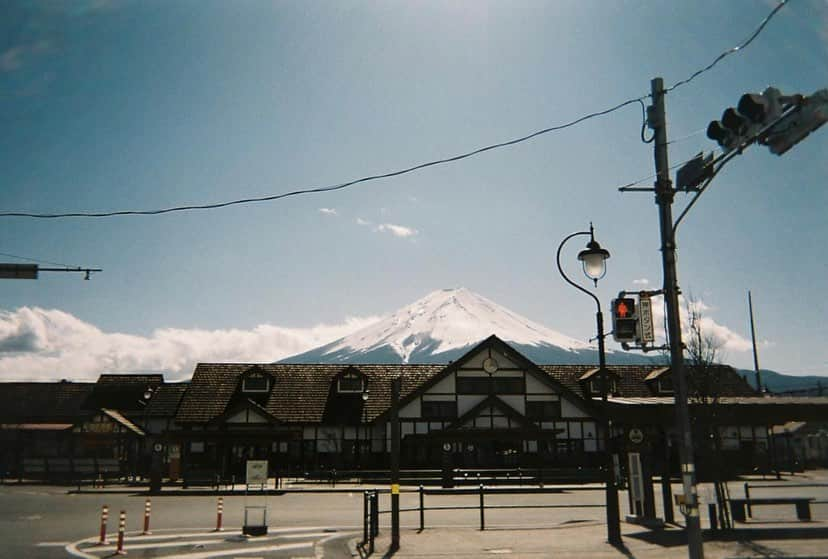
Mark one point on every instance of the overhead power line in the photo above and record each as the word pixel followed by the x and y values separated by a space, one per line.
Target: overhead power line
pixel 406 170
pixel 37 260
pixel 729 51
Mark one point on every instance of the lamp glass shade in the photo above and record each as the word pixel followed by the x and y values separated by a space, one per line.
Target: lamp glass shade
pixel 594 259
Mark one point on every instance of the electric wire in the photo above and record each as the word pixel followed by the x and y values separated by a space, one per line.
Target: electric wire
pixel 673 166
pixel 729 51
pixel 644 123
pixel 327 188
pixel 37 260
pixel 413 168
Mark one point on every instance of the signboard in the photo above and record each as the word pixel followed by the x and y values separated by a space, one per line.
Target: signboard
pixel 645 321
pixel 256 472
pixel 636 435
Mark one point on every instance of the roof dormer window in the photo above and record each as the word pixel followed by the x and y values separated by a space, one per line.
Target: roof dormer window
pixel 661 380
pixel 591 381
pixel 350 382
pixel 255 382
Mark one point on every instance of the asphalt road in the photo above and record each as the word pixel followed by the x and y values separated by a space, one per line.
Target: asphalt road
pixel 40 521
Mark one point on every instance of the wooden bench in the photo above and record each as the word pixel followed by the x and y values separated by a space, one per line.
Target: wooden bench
pixel 802 504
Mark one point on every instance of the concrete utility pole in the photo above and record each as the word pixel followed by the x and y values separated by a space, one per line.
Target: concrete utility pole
pixel 753 340
pixel 664 195
pixel 396 386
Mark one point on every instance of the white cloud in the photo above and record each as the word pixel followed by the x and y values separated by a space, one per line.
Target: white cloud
pixel 328 211
pixel 49 344
pixel 396 230
pixel 363 222
pixel 642 281
pixel 729 340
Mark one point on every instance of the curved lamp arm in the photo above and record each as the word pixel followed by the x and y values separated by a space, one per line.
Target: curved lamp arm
pixel 563 274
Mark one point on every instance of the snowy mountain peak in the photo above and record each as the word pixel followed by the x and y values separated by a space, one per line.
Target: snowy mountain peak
pixel 446 320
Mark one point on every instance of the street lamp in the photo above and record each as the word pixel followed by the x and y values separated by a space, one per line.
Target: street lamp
pixel 593 259
pixel 367 442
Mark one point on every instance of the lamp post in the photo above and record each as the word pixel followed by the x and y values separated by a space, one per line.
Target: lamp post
pixel 593 259
pixel 361 444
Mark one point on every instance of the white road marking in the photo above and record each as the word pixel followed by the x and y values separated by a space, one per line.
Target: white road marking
pixel 52 544
pixel 136 540
pixel 180 543
pixel 226 552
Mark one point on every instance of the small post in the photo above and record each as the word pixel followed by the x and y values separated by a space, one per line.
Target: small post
pixel 747 500
pixel 364 517
pixel 104 516
pixel 422 510
pixel 219 513
pixel 121 528
pixel 711 511
pixel 482 508
pixel 147 511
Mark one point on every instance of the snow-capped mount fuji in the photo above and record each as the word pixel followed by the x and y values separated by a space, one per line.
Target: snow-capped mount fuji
pixel 445 324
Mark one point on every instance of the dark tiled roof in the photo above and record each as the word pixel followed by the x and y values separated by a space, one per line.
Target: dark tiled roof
pixel 304 393
pixel 124 392
pixel 300 393
pixel 165 399
pixel 34 402
pixel 632 379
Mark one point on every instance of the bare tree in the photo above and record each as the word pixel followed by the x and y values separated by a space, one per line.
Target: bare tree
pixel 705 376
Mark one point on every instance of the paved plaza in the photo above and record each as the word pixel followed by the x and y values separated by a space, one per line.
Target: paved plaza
pixel 320 521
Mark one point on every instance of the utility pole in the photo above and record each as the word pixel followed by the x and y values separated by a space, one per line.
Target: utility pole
pixel 755 353
pixel 396 386
pixel 664 195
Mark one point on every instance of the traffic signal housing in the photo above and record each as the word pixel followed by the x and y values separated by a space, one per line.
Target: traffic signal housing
pixel 755 112
pixel 624 320
pixel 811 113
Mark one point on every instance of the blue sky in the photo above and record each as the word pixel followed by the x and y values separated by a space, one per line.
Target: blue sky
pixel 109 105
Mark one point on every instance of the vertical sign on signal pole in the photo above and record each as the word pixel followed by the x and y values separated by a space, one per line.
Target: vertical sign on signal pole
pixel 646 335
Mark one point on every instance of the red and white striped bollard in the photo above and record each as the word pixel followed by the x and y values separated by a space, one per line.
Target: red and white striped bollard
pixel 147 510
pixel 121 528
pixel 219 513
pixel 104 516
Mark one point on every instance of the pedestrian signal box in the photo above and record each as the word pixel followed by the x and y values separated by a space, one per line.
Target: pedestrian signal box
pixel 624 320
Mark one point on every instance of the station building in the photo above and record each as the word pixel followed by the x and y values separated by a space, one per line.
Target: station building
pixel 491 409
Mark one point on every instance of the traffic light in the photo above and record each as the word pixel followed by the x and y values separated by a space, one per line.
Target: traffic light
pixel 811 113
pixel 753 113
pixel 774 120
pixel 624 320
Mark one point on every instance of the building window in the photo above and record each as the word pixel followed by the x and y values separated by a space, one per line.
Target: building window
pixel 196 446
pixel 665 384
pixel 494 385
pixel 255 383
pixel 437 410
pixel 509 385
pixel 595 385
pixel 543 411
pixel 472 385
pixel 350 383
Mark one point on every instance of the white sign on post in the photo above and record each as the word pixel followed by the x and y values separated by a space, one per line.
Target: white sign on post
pixel 645 321
pixel 256 472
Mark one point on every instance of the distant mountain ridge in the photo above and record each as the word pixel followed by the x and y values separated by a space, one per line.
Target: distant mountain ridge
pixel 445 324
pixel 778 382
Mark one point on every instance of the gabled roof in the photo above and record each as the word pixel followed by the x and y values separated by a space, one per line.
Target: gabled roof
pixel 592 372
pixel 495 343
pixel 116 416
pixel 165 399
pixel 123 392
pixel 43 402
pixel 241 404
pixel 303 393
pixel 299 393
pixel 492 401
